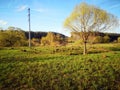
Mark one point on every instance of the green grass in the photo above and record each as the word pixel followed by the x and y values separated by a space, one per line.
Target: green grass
pixel 60 68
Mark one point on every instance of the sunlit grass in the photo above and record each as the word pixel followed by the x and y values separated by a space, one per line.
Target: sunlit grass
pixel 60 68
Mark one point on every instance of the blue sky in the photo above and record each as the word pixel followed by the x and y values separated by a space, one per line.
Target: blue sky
pixel 47 15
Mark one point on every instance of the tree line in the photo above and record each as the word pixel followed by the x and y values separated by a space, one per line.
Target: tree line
pixel 13 36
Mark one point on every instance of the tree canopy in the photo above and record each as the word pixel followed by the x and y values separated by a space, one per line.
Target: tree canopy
pixel 12 38
pixel 88 18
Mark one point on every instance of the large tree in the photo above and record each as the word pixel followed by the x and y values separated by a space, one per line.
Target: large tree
pixel 88 18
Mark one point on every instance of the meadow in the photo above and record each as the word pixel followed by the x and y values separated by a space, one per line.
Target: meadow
pixel 60 68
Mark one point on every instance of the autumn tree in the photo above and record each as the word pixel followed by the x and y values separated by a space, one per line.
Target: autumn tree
pixel 52 39
pixel 44 41
pixel 12 38
pixel 35 42
pixel 49 39
pixel 88 18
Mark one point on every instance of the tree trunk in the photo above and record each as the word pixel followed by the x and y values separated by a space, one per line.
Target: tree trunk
pixel 85 49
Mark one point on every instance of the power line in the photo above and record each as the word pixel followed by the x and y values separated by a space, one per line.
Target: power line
pixel 29 27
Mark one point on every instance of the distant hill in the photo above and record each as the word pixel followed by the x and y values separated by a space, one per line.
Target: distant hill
pixel 41 34
pixel 113 36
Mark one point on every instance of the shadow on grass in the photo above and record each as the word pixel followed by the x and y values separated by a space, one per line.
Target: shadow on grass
pixel 114 48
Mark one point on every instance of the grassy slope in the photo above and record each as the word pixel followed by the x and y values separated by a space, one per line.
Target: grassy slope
pixel 60 68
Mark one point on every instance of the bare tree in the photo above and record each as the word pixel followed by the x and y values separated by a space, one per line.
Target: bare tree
pixel 88 18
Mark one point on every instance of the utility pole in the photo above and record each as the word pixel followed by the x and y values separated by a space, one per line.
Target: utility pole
pixel 29 27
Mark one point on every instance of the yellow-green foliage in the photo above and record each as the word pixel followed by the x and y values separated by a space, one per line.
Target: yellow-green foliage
pixel 12 38
pixel 106 39
pixel 78 42
pixel 51 39
pixel 35 42
pixel 118 39
pixel 87 18
pixel 98 39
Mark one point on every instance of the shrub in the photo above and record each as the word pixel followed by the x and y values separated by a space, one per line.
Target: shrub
pixel 118 39
pixel 106 39
pixel 52 39
pixel 12 38
pixel 98 39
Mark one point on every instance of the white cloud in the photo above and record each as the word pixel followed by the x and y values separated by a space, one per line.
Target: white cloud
pixel 22 8
pixel 115 6
pixel 2 22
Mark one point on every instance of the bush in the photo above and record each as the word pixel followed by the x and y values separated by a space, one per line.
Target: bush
pixel 98 39
pixel 106 39
pixel 10 38
pixel 118 40
pixel 52 39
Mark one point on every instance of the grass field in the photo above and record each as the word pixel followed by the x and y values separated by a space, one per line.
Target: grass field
pixel 60 68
